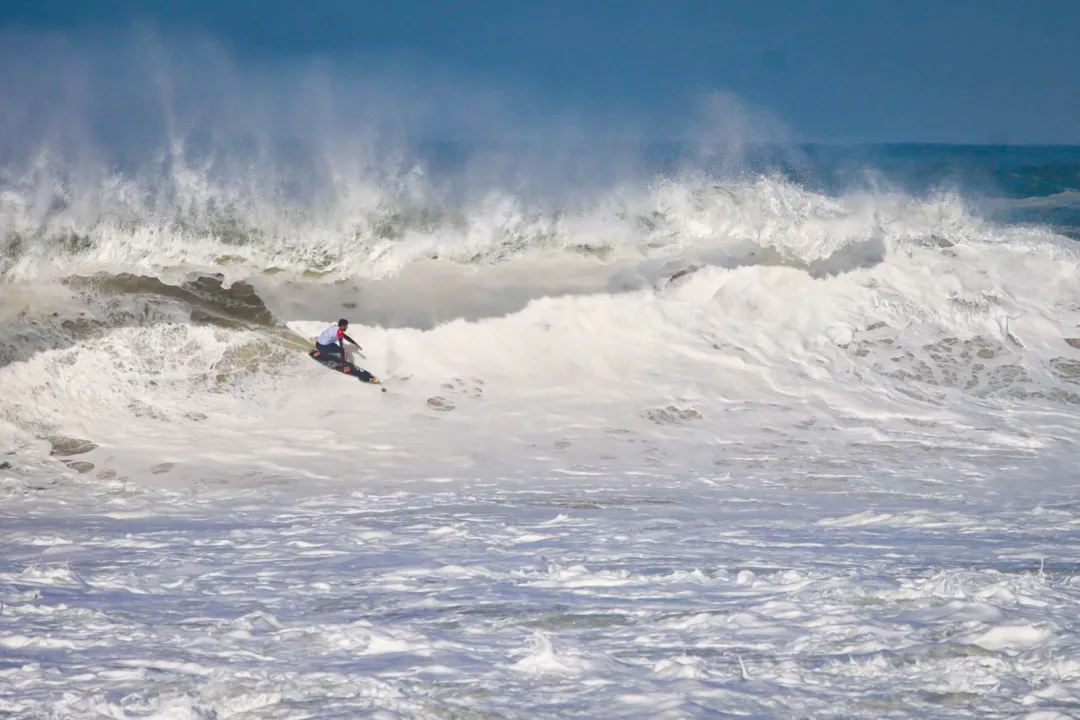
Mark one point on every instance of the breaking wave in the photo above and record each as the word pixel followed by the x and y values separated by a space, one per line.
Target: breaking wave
pixel 761 292
pixel 725 285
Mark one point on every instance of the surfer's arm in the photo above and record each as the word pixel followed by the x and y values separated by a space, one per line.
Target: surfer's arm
pixel 351 340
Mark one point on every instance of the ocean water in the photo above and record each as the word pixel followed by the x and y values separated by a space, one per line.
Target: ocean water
pixel 784 432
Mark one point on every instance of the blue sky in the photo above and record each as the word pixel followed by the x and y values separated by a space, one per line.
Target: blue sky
pixel 860 70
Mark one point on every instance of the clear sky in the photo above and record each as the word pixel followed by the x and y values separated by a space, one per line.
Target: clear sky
pixel 968 71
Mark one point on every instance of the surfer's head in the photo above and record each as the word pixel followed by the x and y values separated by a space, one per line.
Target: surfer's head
pixel 343 323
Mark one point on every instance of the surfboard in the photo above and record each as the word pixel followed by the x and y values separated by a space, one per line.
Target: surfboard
pixel 345 368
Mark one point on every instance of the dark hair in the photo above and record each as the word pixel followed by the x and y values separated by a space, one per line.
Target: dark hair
pixel 342 322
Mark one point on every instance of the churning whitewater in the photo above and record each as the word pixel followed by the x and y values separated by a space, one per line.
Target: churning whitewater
pixel 679 448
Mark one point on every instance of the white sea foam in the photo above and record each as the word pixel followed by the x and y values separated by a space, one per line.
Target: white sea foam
pixel 777 454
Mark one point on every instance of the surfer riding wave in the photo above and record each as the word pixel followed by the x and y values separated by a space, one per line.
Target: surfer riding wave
pixel 331 342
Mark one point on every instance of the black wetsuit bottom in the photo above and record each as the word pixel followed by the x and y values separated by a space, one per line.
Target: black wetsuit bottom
pixel 331 351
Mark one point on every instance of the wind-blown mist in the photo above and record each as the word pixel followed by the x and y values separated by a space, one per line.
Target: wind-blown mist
pixel 149 137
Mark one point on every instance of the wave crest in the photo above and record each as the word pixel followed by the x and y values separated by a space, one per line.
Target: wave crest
pixel 370 232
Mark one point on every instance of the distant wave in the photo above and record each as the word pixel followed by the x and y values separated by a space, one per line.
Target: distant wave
pixel 1064 199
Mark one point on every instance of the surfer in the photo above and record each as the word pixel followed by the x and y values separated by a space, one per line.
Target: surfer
pixel 332 340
